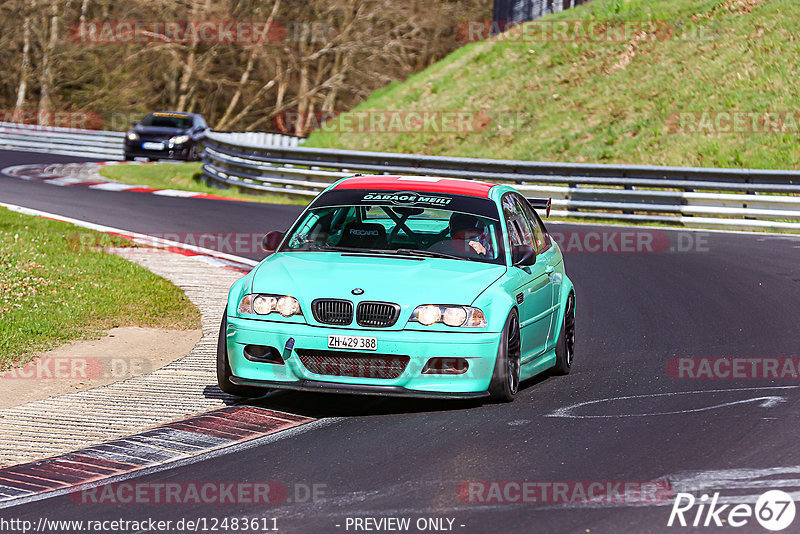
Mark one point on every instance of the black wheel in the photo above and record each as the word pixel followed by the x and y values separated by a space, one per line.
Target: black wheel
pixel 128 157
pixel 565 346
pixel 224 368
pixel 505 379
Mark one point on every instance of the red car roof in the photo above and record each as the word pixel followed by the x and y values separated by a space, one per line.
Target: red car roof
pixel 418 183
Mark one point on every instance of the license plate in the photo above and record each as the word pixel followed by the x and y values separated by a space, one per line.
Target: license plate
pixel 152 146
pixel 353 342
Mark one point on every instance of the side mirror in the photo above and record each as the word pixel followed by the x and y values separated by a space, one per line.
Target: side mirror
pixel 523 255
pixel 271 241
pixel 134 124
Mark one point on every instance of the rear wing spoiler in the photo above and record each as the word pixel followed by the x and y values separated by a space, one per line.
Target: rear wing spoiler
pixel 541 204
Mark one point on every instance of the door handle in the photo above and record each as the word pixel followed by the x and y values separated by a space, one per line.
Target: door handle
pixel 549 270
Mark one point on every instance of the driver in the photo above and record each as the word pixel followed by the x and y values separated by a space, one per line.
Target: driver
pixel 468 233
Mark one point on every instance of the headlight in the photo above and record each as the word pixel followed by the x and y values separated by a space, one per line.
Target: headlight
pixel 132 136
pixel 428 315
pixel 179 140
pixel 455 316
pixel 266 304
pixel 288 306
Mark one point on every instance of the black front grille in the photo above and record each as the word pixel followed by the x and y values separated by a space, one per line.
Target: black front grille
pixel 332 311
pixel 353 364
pixel 377 314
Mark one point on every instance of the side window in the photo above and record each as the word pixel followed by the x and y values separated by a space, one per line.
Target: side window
pixel 545 235
pixel 519 227
pixel 539 234
pixel 301 236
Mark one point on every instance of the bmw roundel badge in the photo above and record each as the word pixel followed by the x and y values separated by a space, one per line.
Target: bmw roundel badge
pixel 357 291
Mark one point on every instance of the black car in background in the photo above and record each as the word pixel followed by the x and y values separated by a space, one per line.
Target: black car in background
pixel 166 135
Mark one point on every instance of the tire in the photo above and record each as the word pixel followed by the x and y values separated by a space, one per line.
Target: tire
pixel 128 157
pixel 505 378
pixel 224 368
pixel 565 346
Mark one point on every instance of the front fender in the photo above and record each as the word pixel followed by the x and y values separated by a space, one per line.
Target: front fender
pixel 496 303
pixel 566 289
pixel 238 290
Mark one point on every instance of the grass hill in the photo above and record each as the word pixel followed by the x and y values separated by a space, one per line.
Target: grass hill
pixel 655 96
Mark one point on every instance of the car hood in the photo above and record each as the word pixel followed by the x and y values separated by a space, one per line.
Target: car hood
pixel 408 282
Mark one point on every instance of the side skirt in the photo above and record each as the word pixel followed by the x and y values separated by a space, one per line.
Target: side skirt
pixel 538 365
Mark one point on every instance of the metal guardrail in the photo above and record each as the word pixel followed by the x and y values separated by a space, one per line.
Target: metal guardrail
pixel 106 145
pixel 68 141
pixel 702 197
pixel 259 138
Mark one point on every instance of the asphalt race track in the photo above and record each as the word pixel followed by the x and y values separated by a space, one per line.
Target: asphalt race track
pixel 734 296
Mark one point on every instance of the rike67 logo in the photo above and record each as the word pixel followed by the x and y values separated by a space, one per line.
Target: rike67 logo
pixel 774 510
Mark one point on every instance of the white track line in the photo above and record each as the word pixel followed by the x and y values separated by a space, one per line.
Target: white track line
pixel 113 186
pixel 156 241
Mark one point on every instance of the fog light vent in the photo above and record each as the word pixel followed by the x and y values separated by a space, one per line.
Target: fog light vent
pixel 262 354
pixel 446 366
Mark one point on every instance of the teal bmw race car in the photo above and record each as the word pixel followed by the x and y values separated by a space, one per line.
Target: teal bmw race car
pixel 414 286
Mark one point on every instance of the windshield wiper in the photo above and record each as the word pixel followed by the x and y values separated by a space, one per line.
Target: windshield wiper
pixel 428 253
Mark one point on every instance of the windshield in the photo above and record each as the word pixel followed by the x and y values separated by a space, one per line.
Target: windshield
pixel 414 229
pixel 168 120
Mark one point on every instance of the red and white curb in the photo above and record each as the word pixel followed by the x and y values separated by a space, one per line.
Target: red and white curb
pixel 87 175
pixel 187 439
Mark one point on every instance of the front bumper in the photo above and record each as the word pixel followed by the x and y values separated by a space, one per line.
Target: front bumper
pixel 358 389
pixel 134 149
pixel 478 348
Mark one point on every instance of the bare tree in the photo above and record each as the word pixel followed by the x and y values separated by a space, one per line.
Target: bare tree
pixel 25 66
pixel 46 77
pixel 333 55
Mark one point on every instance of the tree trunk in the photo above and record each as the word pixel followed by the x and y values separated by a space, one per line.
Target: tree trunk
pixel 84 10
pixel 46 79
pixel 303 99
pixel 24 67
pixel 186 77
